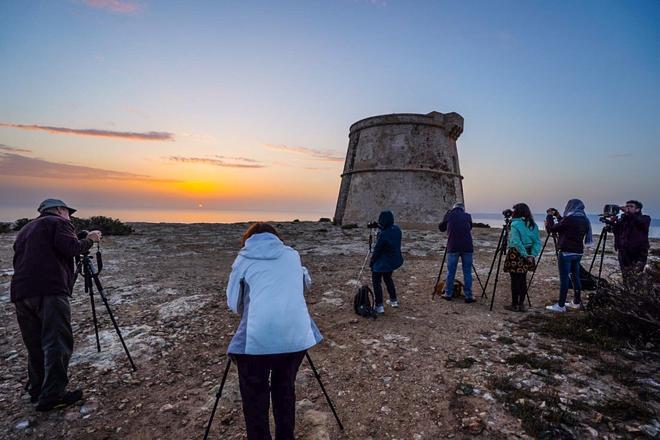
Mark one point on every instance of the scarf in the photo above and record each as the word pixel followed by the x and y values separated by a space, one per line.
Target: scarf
pixel 576 207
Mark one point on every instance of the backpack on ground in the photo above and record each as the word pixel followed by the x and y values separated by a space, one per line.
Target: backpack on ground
pixel 587 280
pixel 458 288
pixel 364 302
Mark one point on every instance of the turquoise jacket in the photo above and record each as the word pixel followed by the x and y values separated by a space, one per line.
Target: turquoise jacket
pixel 526 240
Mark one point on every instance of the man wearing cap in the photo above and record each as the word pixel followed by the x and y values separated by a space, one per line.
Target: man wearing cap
pixel 458 225
pixel 40 289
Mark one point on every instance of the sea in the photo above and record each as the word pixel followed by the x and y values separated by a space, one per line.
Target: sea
pixel 203 215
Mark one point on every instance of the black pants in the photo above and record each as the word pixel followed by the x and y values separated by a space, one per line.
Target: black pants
pixel 632 261
pixel 45 324
pixel 253 373
pixel 518 288
pixel 378 289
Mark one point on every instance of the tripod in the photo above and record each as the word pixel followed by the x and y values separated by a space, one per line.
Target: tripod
pixel 442 266
pixel 224 379
pixel 85 266
pixel 554 239
pixel 602 239
pixel 500 251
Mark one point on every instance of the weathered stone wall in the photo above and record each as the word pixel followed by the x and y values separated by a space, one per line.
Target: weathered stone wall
pixel 407 163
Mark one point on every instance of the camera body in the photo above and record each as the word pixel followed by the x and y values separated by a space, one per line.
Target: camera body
pixel 610 210
pixel 507 213
pixel 82 234
pixel 373 225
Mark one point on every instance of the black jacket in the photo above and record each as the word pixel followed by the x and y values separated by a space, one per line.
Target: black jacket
pixel 631 232
pixel 571 231
pixel 458 225
pixel 43 258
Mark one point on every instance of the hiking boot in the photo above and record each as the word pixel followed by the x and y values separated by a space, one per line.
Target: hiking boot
pixel 393 303
pixel 446 298
pixel 380 309
pixel 470 300
pixel 67 399
pixel 556 308
pixel 572 305
pixel 521 308
pixel 511 308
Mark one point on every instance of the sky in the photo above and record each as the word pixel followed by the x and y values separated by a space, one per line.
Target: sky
pixel 246 105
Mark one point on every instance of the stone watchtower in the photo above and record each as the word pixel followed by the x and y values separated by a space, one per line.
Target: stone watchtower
pixel 407 163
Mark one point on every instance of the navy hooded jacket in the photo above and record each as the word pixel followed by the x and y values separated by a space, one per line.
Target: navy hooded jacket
pixel 386 255
pixel 458 225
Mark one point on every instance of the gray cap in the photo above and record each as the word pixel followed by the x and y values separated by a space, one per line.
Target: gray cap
pixel 54 203
pixel 459 205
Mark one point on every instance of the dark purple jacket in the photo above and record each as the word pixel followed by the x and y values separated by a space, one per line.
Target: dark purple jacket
pixel 43 258
pixel 571 231
pixel 458 225
pixel 631 232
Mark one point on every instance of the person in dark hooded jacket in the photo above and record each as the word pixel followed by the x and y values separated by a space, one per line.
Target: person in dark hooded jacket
pixel 385 259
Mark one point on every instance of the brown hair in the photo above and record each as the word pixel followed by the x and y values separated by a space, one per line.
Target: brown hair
pixel 258 228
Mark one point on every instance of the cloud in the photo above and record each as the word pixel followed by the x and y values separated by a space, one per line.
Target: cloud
pixel 243 159
pixel 18 165
pixel 620 155
pixel 4 147
pixel 215 162
pixel 321 155
pixel 133 136
pixel 116 6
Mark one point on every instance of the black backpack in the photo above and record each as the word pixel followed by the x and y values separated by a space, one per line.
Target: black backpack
pixel 363 302
pixel 587 280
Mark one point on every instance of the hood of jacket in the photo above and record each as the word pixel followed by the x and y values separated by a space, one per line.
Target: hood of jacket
pixel 386 219
pixel 264 246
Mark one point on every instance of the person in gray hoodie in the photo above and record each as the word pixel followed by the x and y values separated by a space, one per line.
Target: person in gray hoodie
pixel 266 287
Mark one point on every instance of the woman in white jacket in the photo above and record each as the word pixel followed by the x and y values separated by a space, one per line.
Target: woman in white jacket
pixel 266 287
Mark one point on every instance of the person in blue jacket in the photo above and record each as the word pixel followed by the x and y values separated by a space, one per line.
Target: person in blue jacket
pixel 385 259
pixel 266 287
pixel 458 225
pixel 523 237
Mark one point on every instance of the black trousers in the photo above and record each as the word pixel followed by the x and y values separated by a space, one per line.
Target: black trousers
pixel 45 324
pixel 632 261
pixel 253 373
pixel 378 289
pixel 518 288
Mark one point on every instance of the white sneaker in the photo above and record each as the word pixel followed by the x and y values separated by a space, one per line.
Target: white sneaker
pixel 555 308
pixel 380 309
pixel 573 305
pixel 394 304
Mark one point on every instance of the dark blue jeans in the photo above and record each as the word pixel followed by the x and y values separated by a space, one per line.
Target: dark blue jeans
pixel 452 266
pixel 569 265
pixel 378 289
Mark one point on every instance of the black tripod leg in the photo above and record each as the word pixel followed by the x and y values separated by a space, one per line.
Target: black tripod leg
pixel 99 287
pixel 531 278
pixel 602 256
pixel 437 281
pixel 318 378
pixel 492 264
pixel 593 259
pixel 497 276
pixel 217 398
pixel 476 274
pixel 89 286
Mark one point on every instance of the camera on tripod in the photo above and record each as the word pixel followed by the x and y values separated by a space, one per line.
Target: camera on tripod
pixel 507 213
pixel 373 225
pixel 609 210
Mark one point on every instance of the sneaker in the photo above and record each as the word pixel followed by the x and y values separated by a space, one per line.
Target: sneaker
pixel 470 300
pixel 394 304
pixel 446 298
pixel 556 308
pixel 69 398
pixel 573 305
pixel 380 309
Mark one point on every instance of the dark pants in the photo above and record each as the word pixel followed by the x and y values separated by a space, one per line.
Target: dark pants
pixel 632 262
pixel 378 289
pixel 569 265
pixel 253 373
pixel 518 288
pixel 45 324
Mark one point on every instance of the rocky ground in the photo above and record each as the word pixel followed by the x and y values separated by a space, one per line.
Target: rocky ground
pixel 431 369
